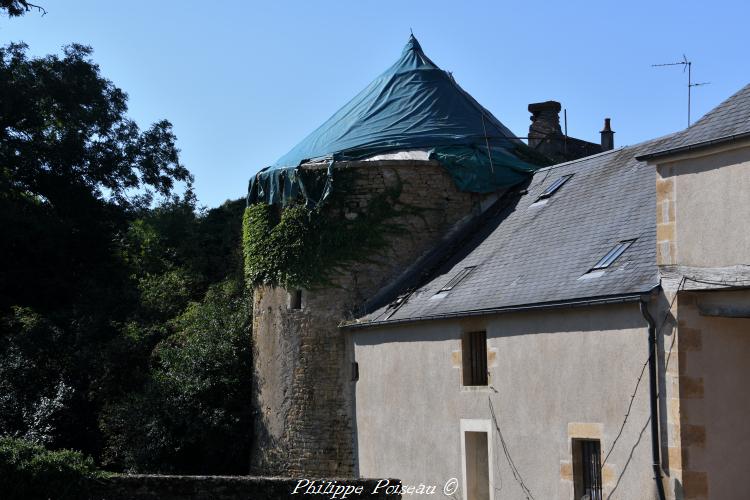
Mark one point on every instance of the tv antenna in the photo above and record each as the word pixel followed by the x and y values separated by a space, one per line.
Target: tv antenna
pixel 686 65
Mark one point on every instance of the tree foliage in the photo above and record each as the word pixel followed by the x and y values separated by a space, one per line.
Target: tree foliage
pixel 15 8
pixel 115 285
pixel 28 471
pixel 64 126
pixel 193 415
pixel 73 169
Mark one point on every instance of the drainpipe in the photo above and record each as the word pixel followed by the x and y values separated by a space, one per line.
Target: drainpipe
pixel 654 398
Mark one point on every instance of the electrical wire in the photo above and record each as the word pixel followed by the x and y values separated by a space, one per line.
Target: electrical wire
pixel 506 452
pixel 643 369
pixel 719 283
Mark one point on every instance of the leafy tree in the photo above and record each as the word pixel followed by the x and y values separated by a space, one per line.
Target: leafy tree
pixel 193 415
pixel 15 8
pixel 33 395
pixel 73 167
pixel 64 125
pixel 124 328
pixel 74 173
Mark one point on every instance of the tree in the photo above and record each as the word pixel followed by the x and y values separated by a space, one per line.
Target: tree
pixel 124 323
pixel 15 8
pixel 193 414
pixel 75 171
pixel 64 125
pixel 72 167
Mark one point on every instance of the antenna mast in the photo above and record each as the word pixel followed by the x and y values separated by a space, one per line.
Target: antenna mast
pixel 686 65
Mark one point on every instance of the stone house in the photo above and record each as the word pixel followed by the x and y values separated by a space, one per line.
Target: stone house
pixel 583 331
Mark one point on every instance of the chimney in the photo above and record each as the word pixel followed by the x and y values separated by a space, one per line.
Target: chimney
pixel 545 124
pixel 608 136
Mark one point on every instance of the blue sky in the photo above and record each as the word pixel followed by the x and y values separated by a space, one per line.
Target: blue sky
pixel 243 82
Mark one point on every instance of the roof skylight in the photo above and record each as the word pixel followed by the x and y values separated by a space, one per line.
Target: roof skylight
pixel 458 278
pixel 552 188
pixel 612 255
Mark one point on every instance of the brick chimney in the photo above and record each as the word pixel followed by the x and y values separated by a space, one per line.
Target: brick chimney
pixel 608 136
pixel 545 124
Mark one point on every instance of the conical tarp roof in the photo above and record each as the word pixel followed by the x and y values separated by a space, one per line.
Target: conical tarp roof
pixel 412 105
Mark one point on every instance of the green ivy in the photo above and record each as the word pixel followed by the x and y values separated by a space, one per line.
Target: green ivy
pixel 303 247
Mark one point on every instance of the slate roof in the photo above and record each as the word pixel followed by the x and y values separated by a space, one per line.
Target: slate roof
pixel 537 254
pixel 730 119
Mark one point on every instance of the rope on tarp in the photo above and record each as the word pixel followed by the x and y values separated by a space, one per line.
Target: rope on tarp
pixel 487 143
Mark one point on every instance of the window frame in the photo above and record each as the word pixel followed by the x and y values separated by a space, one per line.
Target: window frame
pixel 554 187
pixel 295 300
pixel 612 255
pixel 587 468
pixel 474 369
pixel 457 279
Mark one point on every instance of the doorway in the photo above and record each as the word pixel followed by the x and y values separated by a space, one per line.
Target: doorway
pixel 477 466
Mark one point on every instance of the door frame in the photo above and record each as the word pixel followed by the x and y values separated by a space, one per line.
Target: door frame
pixel 477 425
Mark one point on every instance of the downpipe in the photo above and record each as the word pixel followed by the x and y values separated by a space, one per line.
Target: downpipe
pixel 652 382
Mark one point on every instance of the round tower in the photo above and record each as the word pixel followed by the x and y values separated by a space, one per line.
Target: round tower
pixel 304 371
pixel 406 159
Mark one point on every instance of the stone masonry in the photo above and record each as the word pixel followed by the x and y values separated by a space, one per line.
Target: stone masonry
pixel 158 487
pixel 546 135
pixel 303 368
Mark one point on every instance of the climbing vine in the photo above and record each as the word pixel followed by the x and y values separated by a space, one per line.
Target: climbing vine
pixel 302 247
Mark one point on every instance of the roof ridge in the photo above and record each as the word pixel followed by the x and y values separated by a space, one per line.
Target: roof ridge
pixel 615 150
pixel 578 160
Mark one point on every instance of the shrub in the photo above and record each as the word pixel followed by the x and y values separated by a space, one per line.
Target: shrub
pixel 29 471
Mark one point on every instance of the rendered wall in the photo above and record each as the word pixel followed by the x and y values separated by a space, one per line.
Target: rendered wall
pixel 703 208
pixel 554 376
pixel 303 393
pixel 714 398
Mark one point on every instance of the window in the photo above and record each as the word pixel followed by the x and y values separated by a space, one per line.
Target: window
pixel 552 188
pixel 587 469
pixel 474 358
pixel 355 371
pixel 295 299
pixel 458 278
pixel 612 255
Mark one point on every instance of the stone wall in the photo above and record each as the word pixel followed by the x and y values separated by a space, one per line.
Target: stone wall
pixel 152 487
pixel 303 367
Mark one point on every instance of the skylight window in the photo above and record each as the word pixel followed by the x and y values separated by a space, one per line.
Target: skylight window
pixel 458 278
pixel 612 255
pixel 552 188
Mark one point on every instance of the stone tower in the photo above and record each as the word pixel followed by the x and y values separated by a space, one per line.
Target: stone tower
pixel 304 370
pixel 416 141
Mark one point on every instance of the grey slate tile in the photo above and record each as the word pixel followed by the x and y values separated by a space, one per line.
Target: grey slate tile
pixel 537 254
pixel 730 118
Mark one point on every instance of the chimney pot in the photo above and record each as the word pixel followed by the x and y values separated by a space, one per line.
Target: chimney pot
pixel 608 136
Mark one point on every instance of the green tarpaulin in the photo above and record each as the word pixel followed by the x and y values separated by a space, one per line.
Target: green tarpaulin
pixel 412 105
